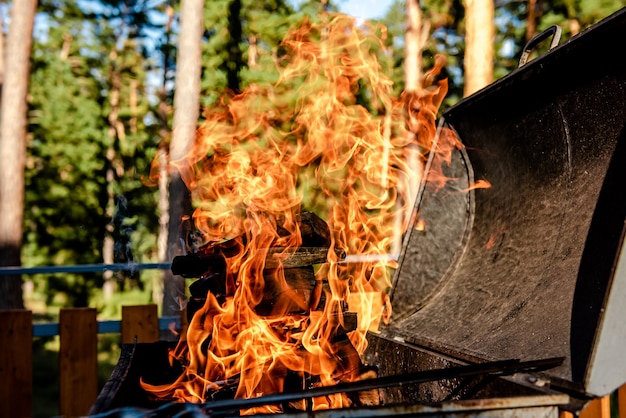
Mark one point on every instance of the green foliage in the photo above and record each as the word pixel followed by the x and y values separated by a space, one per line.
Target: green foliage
pixel 76 56
pixel 231 26
pixel 112 309
pixel 575 14
pixel 64 217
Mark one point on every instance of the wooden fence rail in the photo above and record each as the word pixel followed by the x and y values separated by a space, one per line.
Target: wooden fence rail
pixel 78 330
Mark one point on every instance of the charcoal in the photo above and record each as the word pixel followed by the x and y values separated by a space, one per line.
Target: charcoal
pixel 198 264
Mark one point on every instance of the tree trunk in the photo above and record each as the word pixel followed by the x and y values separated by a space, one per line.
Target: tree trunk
pixel 479 40
pixel 116 132
pixel 531 24
pixel 413 47
pixel 1 51
pixel 414 40
pixel 163 111
pixel 252 51
pixel 387 127
pixel 13 147
pixel 235 58
pixel 186 113
pixel 66 47
pixel 133 101
pixel 164 218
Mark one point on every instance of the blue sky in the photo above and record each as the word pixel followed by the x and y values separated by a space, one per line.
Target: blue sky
pixel 364 9
pixel 361 9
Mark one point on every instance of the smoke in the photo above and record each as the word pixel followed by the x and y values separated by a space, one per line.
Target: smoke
pixel 124 226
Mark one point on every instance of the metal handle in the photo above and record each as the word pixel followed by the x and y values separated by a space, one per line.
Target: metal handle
pixel 554 31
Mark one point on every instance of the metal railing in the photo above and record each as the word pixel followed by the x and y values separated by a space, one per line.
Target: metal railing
pixel 83 268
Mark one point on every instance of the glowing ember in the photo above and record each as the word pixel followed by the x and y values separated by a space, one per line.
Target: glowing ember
pixel 256 166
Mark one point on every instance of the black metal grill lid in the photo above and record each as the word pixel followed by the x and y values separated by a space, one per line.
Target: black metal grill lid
pixel 534 266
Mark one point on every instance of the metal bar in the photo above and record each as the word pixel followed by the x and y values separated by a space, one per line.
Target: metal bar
pixel 50 329
pixel 543 405
pixel 109 327
pixel 500 368
pixel 101 268
pixel 84 268
pixel 165 322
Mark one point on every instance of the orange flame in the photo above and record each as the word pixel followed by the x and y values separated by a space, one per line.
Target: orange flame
pixel 256 164
pixel 480 184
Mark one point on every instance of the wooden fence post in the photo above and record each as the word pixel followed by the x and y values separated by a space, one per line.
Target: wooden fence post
pixel 140 322
pixel 16 363
pixel 78 361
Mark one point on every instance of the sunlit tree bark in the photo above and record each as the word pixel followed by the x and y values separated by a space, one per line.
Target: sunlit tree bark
pixel 479 44
pixel 531 24
pixel 414 39
pixel 13 147
pixel 115 132
pixel 163 112
pixel 186 114
pixel 1 50
pixel 412 46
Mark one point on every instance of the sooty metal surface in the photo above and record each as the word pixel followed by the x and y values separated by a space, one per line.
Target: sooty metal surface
pixel 523 269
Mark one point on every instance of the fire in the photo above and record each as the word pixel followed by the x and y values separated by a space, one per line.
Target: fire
pixel 480 184
pixel 256 166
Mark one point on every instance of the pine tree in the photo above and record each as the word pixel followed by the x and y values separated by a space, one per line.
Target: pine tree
pixel 72 133
pixel 233 26
pixel 64 172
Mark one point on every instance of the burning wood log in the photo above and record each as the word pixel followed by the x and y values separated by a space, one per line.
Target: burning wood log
pixel 198 264
pixel 300 291
pixel 298 273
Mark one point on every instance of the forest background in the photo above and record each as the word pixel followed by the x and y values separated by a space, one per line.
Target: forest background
pixel 100 108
